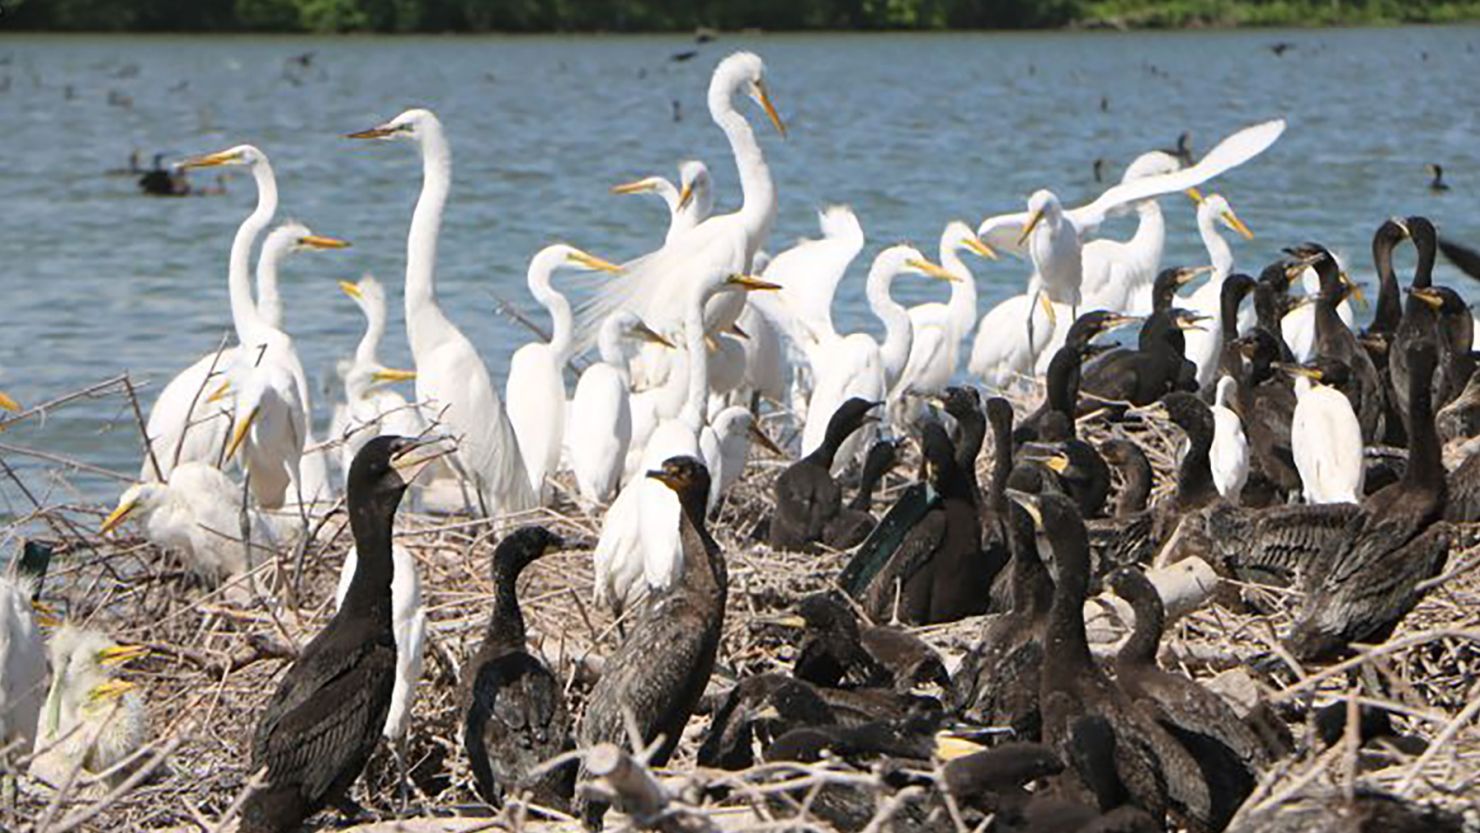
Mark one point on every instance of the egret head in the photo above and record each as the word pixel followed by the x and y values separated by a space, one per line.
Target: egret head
pixel 292 237
pixel 412 124
pixel 958 236
pixel 365 377
pixel 144 497
pixel 367 293
pixel 1042 205
pixel 241 155
pixel 743 71
pixel 906 259
pixel 1215 209
pixel 83 658
pixel 694 186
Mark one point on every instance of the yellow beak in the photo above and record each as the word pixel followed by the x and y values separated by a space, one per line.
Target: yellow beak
pixel 351 289
pixel 751 283
pixel 110 690
pixel 119 654
pixel 1195 194
pixel 1428 296
pixel 685 196
pixel 764 98
pixel 979 248
pixel 116 516
pixel 593 262
pixel 1033 222
pixel 46 616
pixel 414 460
pixel 210 160
pixel 315 241
pixel 1238 225
pixel 385 375
pixel 373 133
pixel 931 269
pixel 219 392
pixel 647 333
pixel 240 433
pixel 1047 304
pixel 640 186
pixel 8 404
pixel 948 747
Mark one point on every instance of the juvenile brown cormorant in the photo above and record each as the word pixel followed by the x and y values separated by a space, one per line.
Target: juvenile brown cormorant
pixel 1085 716
pixel 1136 477
pixel 964 404
pixel 757 710
pixel 854 522
pixel 836 651
pixel 1362 587
pixel 321 725
pixel 807 497
pixel 936 573
pixel 660 670
pixel 515 716
pixel 1228 752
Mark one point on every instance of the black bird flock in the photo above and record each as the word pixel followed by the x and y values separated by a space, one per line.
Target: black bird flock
pixel 939 663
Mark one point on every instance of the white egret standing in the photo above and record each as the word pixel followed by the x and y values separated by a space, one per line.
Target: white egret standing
pixel 1229 456
pixel 1117 275
pixel 452 382
pixel 602 398
pixel 1325 435
pixel 1205 343
pixel 1008 346
pixel 535 390
pixel 22 652
pixel 725 446
pixel 369 408
pixel 408 624
pixel 182 426
pixel 688 205
pixel 856 365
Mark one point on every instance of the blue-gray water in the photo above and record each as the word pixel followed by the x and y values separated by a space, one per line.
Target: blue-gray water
pixel 912 131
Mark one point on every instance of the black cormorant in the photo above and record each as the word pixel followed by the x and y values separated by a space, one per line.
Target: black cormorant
pixel 1136 476
pixel 1064 374
pixel 1436 174
pixel 853 523
pixel 1157 366
pixel 1420 319
pixel 807 497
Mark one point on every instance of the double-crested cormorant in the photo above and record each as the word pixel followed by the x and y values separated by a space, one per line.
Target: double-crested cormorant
pixel 1361 588
pixel 756 711
pixel 1156 367
pixel 937 572
pixel 1436 174
pixel 160 181
pixel 1420 319
pixel 1064 373
pixel 1377 337
pixel 1230 452
pixel 964 404
pixel 327 714
pixel 837 652
pixel 1082 473
pixel 1335 340
pixel 1325 434
pixel 1136 476
pixel 1456 330
pixel 1235 288
pixel 1267 406
pixel 1228 752
pixel 1118 751
pixel 657 675
pixel 807 497
pixel 514 709
pixel 854 522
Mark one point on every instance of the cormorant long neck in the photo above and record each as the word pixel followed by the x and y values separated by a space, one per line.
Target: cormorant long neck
pixel 973 432
pixel 712 578
pixel 506 624
pixel 1424 240
pixel 1135 485
pixel 1195 475
pixel 1001 462
pixel 837 433
pixel 1065 637
pixel 244 314
pixel 370 519
pixel 1229 299
pixel 1145 639
pixel 424 319
pixel 1425 455
pixel 875 466
pixel 1389 301
pixel 1063 381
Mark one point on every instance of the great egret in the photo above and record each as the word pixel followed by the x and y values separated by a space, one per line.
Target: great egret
pixel 1229 456
pixel 1053 237
pixel 196 516
pixel 855 365
pixel 937 329
pixel 636 548
pixel 1008 346
pixel 725 446
pixel 369 408
pixel 409 625
pixel 92 720
pixel 598 456
pixel 452 382
pixel 1204 346
pixel 1325 435
pixel 688 205
pixel 1118 274
pixel 272 408
pixel 182 426
pixel 22 652
pixel 535 390
pixel 653 285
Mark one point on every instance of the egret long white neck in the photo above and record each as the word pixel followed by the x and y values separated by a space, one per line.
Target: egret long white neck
pixel 269 304
pixel 555 303
pixel 758 206
pixel 367 352
pixel 609 344
pixel 962 304
pixel 244 313
pixel 1151 232
pixel 422 312
pixel 1219 252
pixel 895 350
pixel 695 406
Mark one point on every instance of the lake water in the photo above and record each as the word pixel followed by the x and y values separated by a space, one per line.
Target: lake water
pixel 912 131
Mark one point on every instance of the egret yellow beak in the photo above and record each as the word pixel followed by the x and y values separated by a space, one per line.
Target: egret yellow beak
pixel 120 654
pixel 46 616
pixel 117 515
pixel 761 95
pixel 1033 222
pixel 792 621
pixel 1357 294
pixel 765 442
pixel 8 404
pixel 316 241
pixel 979 248
pixel 219 392
pixel 373 133
pixel 351 289
pixel 1195 194
pixel 931 270
pixel 1237 225
pixel 211 160
pixel 650 335
pixel 589 261
pixel 639 186
pixel 685 196
pixel 240 434
pixel 751 283
pixel 386 375
pixel 949 747
pixel 109 690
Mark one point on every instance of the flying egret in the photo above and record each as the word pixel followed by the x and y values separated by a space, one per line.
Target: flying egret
pixel 452 383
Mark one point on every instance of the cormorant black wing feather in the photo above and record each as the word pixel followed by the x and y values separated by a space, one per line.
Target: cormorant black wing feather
pixel 876 550
pixel 1463 257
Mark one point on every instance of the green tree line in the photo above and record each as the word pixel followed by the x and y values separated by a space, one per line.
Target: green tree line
pixel 685 15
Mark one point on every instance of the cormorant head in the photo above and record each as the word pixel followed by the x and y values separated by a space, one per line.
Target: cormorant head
pixel 522 546
pixel 1392 230
pixel 1258 345
pixel 412 124
pixel 1237 285
pixel 961 401
pixel 1093 324
pixel 825 611
pixel 1120 452
pixel 686 476
pixel 1443 299
pixel 1130 583
pixel 385 466
pixel 999 413
pixel 1168 281
pixel 1185 319
pixel 1421 231
pixel 851 415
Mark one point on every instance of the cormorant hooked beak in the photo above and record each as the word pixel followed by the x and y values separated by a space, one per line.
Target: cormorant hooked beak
pixel 1312 373
pixel 1428 296
pixel 409 464
pixel 1187 274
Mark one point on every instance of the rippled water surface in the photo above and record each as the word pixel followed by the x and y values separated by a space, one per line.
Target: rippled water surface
pixel 912 131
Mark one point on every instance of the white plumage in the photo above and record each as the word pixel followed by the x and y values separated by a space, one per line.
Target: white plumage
pixel 598 456
pixel 22 663
pixel 1229 457
pixel 90 719
pixel 1327 443
pixel 370 408
pixel 1205 344
pixel 408 624
pixel 1117 275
